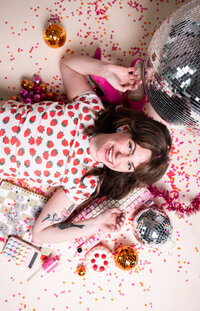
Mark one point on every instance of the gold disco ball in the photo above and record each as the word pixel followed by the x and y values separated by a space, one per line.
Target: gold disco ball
pixel 54 36
pixel 81 271
pixel 126 258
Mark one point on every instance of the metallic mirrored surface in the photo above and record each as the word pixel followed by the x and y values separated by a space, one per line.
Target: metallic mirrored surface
pixel 172 65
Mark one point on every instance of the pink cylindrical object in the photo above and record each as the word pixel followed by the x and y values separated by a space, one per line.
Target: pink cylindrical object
pixel 50 264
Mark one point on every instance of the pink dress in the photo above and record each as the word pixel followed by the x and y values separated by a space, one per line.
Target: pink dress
pixel 45 143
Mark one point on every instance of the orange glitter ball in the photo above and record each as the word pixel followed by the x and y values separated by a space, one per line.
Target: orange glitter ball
pixel 81 271
pixel 126 258
pixel 54 36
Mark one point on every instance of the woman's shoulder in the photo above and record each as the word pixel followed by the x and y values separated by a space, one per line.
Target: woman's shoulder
pixel 89 98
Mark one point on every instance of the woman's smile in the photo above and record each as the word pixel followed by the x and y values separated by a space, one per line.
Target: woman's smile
pixel 109 155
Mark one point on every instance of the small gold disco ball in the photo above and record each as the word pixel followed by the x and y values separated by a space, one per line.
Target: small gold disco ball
pixel 54 36
pixel 81 271
pixel 126 258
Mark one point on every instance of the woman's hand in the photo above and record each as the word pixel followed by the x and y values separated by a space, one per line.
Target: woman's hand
pixel 110 220
pixel 123 78
pixel 74 69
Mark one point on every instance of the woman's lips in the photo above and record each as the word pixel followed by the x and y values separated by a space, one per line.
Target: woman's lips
pixel 109 155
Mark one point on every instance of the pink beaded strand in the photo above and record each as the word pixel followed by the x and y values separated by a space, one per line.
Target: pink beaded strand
pixel 172 204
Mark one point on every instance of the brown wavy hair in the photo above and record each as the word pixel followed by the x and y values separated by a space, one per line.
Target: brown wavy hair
pixel 147 133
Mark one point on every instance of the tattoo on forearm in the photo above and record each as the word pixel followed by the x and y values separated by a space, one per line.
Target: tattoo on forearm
pixel 53 218
pixel 64 215
pixel 65 225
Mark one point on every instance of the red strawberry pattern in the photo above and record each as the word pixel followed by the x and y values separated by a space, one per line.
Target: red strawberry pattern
pixel 45 142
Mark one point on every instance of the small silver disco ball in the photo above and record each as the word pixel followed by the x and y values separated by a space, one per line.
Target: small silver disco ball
pixel 172 69
pixel 152 227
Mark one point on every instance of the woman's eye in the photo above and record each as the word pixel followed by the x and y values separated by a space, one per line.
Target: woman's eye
pixel 130 147
pixel 129 166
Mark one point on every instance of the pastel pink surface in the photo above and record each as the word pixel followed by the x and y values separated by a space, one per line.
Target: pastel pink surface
pixel 165 278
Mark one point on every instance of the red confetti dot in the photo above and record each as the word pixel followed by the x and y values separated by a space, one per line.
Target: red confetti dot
pixel 103 256
pixel 105 262
pixel 101 268
pixel 93 260
pixel 96 255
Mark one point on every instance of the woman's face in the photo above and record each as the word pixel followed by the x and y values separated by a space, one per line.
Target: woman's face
pixel 118 151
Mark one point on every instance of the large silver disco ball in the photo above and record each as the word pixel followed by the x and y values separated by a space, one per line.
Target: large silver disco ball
pixel 152 226
pixel 172 69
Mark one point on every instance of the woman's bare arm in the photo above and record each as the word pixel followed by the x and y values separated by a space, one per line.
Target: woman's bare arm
pixel 75 68
pixel 51 225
